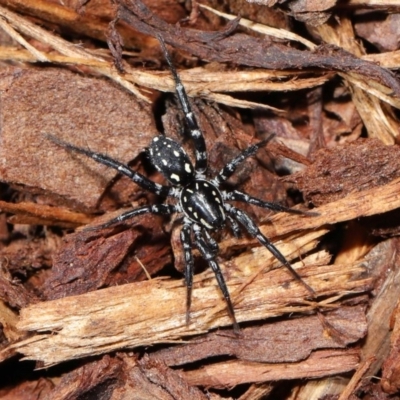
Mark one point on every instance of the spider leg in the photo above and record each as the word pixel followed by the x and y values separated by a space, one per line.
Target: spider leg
pixel 230 168
pixel 234 226
pixel 208 254
pixel 212 242
pixel 254 231
pixel 193 126
pixel 237 195
pixel 136 177
pixel 158 209
pixel 189 266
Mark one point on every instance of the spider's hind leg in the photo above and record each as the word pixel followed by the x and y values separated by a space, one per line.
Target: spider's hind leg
pixel 255 232
pixel 208 253
pixel 186 241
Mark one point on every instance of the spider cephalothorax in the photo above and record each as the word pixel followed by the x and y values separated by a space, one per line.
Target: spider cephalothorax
pixel 202 201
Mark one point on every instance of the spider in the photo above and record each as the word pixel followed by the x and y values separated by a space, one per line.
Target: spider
pixel 201 200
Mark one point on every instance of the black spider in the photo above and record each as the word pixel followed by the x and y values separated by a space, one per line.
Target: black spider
pixel 202 202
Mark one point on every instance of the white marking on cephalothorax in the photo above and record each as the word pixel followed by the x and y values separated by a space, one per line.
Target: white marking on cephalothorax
pixel 176 153
pixel 190 209
pixel 188 168
pixel 169 145
pixel 175 177
pixel 205 223
pixel 185 199
pixel 206 184
pixel 217 200
pixel 190 190
pixel 196 215
pixel 164 162
pixel 197 186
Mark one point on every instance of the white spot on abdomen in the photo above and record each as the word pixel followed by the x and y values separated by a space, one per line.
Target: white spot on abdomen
pixel 175 177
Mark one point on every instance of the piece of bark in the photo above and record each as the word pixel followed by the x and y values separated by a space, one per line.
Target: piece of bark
pixel 339 171
pixel 382 262
pixel 390 368
pixel 28 390
pixel 40 214
pixel 380 30
pixel 378 119
pixel 389 319
pixel 81 117
pixel 217 46
pixel 171 381
pixel 89 260
pixel 282 341
pixel 119 317
pixel 355 205
pixel 231 373
pixel 97 378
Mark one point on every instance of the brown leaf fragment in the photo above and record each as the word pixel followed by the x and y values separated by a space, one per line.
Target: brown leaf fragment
pixel 337 172
pixel 88 112
pixel 231 373
pixel 284 341
pixel 96 378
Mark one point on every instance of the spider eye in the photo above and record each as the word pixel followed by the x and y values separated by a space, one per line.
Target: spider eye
pixel 171 160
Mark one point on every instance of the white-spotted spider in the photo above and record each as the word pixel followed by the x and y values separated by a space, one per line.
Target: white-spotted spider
pixel 201 200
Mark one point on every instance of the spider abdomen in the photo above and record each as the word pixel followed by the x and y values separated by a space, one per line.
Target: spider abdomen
pixel 171 160
pixel 201 202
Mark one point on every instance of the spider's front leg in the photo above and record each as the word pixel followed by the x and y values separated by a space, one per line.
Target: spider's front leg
pixel 136 177
pixel 157 209
pixel 190 119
